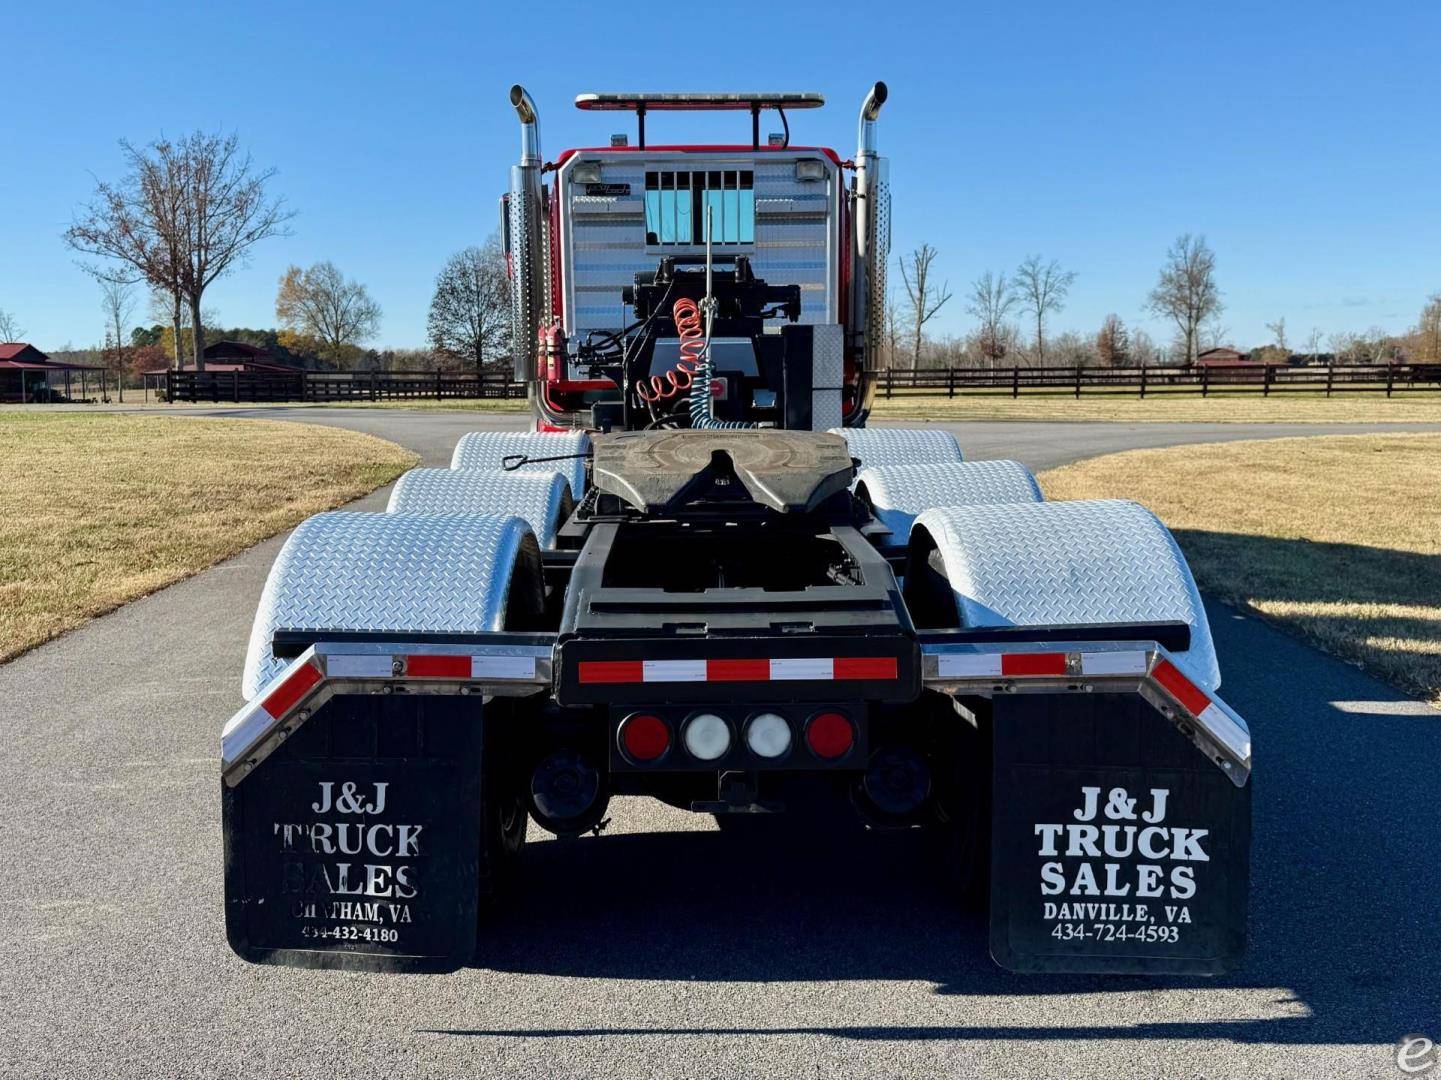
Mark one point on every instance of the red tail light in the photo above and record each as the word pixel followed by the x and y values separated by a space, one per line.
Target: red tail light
pixel 830 735
pixel 644 737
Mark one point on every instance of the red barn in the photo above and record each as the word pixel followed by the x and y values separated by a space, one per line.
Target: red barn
pixel 28 375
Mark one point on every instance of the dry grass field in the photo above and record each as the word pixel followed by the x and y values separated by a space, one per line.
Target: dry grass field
pixel 1249 408
pixel 98 509
pixel 1336 537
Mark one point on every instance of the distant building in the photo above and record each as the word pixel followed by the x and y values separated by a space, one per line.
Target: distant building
pixel 1222 357
pixel 28 375
pixel 237 356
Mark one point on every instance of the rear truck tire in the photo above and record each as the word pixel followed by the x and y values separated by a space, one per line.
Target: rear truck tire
pixel 429 573
pixel 543 500
pixel 565 453
pixel 897 493
pixel 900 446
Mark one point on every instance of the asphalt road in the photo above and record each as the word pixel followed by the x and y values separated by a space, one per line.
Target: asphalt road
pixel 662 947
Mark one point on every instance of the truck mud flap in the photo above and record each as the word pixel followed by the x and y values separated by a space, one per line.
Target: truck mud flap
pixel 1117 846
pixel 354 842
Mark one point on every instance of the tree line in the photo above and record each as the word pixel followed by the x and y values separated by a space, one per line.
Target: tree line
pixel 187 212
pixel 1012 311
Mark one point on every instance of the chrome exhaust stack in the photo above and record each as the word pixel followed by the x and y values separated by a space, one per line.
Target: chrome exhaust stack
pixel 527 240
pixel 872 231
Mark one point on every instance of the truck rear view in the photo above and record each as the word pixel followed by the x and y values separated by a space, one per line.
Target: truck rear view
pixel 701 578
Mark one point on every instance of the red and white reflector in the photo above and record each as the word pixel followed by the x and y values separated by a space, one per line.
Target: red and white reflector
pixel 777 669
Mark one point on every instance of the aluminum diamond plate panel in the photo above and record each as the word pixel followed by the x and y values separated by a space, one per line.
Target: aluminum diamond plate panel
pixel 899 492
pixel 344 570
pixel 1101 561
pixel 542 499
pixel 900 446
pixel 828 356
pixel 489 449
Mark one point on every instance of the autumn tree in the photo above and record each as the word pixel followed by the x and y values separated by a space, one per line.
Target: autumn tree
pixel 10 328
pixel 926 298
pixel 1042 288
pixel 991 300
pixel 1113 343
pixel 186 213
pixel 1428 331
pixel 320 307
pixel 1186 291
pixel 469 320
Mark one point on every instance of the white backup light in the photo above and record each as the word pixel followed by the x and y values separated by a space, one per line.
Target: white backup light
pixel 768 735
pixel 707 736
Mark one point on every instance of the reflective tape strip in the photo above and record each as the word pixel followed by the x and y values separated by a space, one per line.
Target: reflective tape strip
pixel 289 693
pixel 1038 663
pixel 1192 699
pixel 1114 663
pixel 502 667
pixel 360 666
pixel 738 670
pixel 424 666
pixel 810 668
pixel 673 671
pixel 1226 730
pixel 611 671
pixel 969 665
pixel 778 669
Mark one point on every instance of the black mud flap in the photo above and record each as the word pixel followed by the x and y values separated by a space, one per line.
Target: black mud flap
pixel 1116 846
pixel 355 844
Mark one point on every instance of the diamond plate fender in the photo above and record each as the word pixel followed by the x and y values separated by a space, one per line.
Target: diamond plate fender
pixel 442 573
pixel 542 499
pixel 1058 563
pixel 900 446
pixel 898 493
pixel 489 449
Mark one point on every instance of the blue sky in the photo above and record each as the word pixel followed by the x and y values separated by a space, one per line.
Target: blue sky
pixel 1300 138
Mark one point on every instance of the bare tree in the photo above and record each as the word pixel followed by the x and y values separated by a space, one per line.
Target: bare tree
pixel 139 223
pixel 320 308
pixel 228 210
pixel 118 301
pixel 185 214
pixel 1313 344
pixel 992 299
pixel 1113 343
pixel 925 298
pixel 10 329
pixel 1144 351
pixel 469 316
pixel 1278 333
pixel 1043 288
pixel 1186 292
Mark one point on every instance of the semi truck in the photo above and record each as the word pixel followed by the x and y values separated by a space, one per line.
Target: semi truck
pixel 701 577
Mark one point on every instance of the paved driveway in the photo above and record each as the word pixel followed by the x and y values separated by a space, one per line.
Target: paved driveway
pixel 662 947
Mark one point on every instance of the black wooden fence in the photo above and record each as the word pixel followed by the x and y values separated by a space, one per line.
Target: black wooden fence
pixel 1261 379
pixel 236 387
pixel 219 387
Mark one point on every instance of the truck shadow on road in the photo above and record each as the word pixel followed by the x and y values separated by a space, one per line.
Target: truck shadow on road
pixel 1343 938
